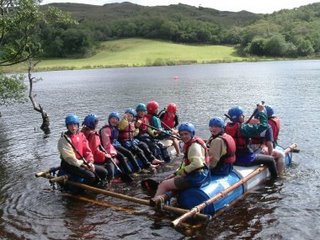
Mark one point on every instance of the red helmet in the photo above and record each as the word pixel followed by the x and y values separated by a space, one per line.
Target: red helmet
pixel 152 107
pixel 172 108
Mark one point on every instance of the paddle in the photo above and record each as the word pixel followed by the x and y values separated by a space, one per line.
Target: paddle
pixel 166 125
pixel 217 197
pixel 174 136
pixel 82 158
pixel 254 112
pixel 124 176
pixel 150 186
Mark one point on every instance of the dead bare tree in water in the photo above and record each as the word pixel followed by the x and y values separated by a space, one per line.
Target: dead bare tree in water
pixel 45 117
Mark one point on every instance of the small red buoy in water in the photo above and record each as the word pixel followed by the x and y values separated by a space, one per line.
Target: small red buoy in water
pixel 176 77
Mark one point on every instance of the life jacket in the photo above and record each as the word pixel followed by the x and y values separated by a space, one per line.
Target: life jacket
pixel 127 133
pixel 167 121
pixel 275 125
pixel 188 145
pixel 230 156
pixel 109 134
pixel 93 138
pixel 233 129
pixel 80 142
pixel 143 128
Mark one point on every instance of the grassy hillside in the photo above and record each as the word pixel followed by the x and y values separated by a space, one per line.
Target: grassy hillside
pixel 142 52
pixel 120 11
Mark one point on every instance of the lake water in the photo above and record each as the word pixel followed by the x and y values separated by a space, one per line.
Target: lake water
pixel 286 209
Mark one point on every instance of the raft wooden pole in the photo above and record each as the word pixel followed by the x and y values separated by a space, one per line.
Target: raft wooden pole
pixel 217 197
pixel 175 210
pixel 99 203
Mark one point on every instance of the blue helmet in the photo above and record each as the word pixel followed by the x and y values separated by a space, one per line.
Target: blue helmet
pixel 72 119
pixel 114 115
pixel 90 121
pixel 235 113
pixel 216 122
pixel 187 127
pixel 269 110
pixel 131 111
pixel 141 107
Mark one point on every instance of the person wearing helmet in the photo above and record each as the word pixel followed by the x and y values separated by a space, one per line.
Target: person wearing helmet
pixel 142 121
pixel 169 121
pixel 158 133
pixel 76 155
pixel 222 148
pixel 101 155
pixel 127 134
pixel 266 142
pixel 109 139
pixel 155 122
pixel 146 132
pixel 242 132
pixel 193 171
pixel 274 122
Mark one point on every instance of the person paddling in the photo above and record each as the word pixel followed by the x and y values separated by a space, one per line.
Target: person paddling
pixel 242 132
pixel 146 134
pixel 160 133
pixel 127 133
pixel 266 142
pixel 76 155
pixel 169 121
pixel 193 171
pixel 107 158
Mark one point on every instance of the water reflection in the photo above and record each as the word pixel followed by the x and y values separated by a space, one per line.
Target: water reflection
pixel 285 210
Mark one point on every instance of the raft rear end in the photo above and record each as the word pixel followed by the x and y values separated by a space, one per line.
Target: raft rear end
pixel 195 196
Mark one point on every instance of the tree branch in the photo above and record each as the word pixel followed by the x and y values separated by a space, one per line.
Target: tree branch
pixel 37 107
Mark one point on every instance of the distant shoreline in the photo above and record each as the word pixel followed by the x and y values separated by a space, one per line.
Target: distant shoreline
pixel 143 53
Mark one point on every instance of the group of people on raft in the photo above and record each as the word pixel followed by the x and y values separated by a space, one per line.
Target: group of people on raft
pixel 92 154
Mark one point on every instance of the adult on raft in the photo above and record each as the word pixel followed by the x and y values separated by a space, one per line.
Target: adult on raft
pixel 242 132
pixel 193 171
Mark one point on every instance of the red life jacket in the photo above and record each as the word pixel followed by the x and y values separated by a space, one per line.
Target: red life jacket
pixel 149 117
pixel 143 128
pixel 275 125
pixel 187 146
pixel 168 121
pixel 93 138
pixel 233 129
pixel 80 143
pixel 127 133
pixel 230 156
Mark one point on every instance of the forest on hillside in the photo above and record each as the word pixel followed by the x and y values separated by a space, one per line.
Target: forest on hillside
pixel 286 33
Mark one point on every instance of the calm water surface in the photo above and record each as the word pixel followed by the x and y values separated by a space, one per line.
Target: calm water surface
pixel 286 209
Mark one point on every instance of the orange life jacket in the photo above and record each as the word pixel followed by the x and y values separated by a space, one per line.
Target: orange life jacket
pixel 233 129
pixel 187 146
pixel 230 156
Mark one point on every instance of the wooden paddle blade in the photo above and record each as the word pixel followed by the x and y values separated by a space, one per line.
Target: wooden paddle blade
pixel 150 185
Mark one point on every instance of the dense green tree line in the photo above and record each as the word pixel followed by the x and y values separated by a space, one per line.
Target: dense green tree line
pixel 287 33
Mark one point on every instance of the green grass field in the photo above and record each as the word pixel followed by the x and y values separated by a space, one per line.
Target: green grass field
pixel 143 52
